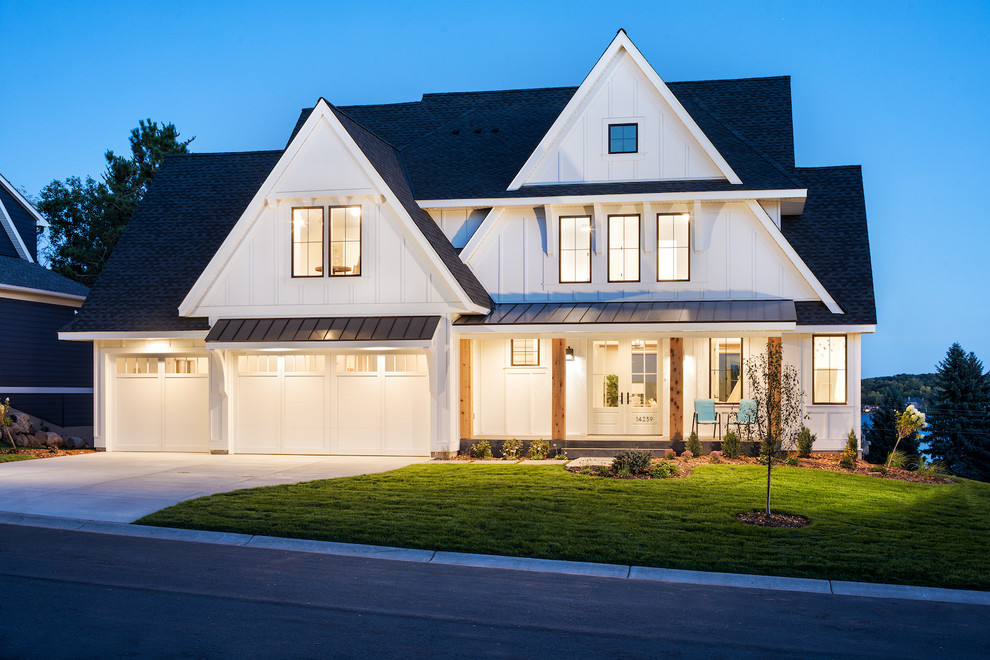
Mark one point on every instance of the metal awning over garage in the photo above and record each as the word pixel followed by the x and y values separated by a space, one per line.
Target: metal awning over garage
pixel 380 329
pixel 674 312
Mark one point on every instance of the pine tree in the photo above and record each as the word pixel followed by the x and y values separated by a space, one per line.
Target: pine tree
pixel 87 217
pixel 881 431
pixel 958 415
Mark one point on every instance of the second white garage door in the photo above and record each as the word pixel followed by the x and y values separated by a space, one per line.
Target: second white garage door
pixel 342 404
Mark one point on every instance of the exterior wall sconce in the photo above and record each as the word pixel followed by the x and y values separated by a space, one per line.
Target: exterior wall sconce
pixel 569 354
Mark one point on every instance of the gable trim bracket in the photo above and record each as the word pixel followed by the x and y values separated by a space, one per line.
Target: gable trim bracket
pixel 793 256
pixel 621 42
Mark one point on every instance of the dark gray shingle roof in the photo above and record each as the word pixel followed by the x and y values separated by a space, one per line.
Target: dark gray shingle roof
pixel 15 271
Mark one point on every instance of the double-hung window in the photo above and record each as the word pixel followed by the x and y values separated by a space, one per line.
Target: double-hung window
pixel 726 370
pixel 311 235
pixel 830 368
pixel 673 247
pixel 623 248
pixel 575 249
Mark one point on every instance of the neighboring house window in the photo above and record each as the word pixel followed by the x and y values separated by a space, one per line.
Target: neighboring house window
pixel 575 249
pixel 623 138
pixel 345 240
pixel 525 352
pixel 673 247
pixel 307 242
pixel 830 368
pixel 726 370
pixel 623 248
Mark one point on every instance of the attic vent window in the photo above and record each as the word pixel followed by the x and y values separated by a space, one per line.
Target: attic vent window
pixel 623 138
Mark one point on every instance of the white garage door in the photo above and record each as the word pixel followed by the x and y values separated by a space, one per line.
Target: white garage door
pixel 161 404
pixel 367 404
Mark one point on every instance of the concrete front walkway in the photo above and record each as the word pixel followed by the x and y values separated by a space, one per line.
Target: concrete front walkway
pixel 124 486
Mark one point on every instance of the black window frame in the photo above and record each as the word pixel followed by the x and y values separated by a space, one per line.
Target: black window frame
pixel 639 247
pixel 635 138
pixel 687 247
pixel 329 240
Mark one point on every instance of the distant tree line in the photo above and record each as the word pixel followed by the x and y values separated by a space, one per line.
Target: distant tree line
pixel 909 385
pixel 958 409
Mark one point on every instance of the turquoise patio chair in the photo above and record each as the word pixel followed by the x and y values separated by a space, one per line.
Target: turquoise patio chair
pixel 746 414
pixel 704 413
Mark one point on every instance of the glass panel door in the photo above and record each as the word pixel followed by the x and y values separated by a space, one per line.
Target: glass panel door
pixel 625 387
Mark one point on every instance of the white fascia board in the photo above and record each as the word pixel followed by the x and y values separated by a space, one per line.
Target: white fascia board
pixel 146 334
pixel 793 256
pixel 633 198
pixel 40 295
pixel 254 209
pixel 14 235
pixel 836 329
pixel 283 346
pixel 28 206
pixel 575 105
pixel 598 330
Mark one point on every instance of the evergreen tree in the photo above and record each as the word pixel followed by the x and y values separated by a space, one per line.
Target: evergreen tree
pixel 958 415
pixel 87 217
pixel 881 430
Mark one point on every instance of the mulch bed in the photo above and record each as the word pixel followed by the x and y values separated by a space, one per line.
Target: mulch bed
pixel 774 520
pixel 45 453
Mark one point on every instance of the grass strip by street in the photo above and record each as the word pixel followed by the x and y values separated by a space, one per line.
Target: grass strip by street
pixel 7 458
pixel 862 528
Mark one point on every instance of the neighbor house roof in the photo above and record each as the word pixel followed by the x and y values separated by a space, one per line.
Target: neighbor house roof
pixel 21 273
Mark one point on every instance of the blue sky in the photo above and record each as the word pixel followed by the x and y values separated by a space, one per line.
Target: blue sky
pixel 900 88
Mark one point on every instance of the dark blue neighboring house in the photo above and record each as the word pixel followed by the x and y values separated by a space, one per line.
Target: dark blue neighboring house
pixel 41 375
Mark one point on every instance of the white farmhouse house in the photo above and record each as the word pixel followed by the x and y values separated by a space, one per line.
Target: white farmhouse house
pixel 576 264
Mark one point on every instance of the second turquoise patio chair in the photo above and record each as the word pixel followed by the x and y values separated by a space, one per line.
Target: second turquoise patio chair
pixel 705 413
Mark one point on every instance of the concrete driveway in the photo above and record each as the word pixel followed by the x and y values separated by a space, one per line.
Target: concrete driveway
pixel 124 486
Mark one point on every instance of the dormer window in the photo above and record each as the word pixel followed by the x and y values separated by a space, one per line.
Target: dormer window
pixel 623 138
pixel 310 235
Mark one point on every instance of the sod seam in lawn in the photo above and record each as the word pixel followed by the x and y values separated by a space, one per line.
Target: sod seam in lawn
pixel 862 528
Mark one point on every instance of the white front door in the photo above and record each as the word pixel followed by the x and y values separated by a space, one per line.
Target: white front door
pixel 625 387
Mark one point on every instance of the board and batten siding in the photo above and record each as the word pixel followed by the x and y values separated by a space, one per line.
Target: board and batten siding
pixel 42 361
pixel 667 150
pixel 732 257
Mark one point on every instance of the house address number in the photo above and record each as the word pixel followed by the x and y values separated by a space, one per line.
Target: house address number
pixel 644 419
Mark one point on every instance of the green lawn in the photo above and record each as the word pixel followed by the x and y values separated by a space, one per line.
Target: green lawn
pixel 862 528
pixel 7 458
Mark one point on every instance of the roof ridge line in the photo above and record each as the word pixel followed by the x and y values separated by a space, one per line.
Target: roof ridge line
pixel 363 127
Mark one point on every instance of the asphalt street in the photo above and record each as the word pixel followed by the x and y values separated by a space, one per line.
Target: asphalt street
pixel 80 594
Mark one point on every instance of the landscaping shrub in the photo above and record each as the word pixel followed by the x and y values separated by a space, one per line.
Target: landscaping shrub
pixel 694 444
pixel 879 468
pixel 715 457
pixel 635 461
pixel 511 449
pixel 805 440
pixel 669 453
pixel 793 461
pixel 896 459
pixel 538 449
pixel 561 455
pixel 603 470
pixel 928 468
pixel 664 469
pixel 851 442
pixel 687 454
pixel 481 449
pixel 847 459
pixel 730 445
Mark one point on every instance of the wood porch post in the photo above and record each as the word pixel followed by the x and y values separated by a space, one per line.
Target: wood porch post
pixel 558 394
pixel 774 359
pixel 676 388
pixel 467 400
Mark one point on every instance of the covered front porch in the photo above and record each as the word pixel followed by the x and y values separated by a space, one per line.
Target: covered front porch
pixel 594 387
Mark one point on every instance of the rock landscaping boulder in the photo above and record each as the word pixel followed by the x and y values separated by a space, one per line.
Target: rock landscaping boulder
pixel 53 440
pixel 20 424
pixel 75 442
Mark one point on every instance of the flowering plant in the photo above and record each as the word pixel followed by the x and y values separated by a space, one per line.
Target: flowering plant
pixel 908 422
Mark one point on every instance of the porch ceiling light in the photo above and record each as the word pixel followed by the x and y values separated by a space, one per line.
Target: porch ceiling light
pixel 569 354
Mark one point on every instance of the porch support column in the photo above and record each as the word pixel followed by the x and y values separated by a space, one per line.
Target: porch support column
pixel 774 358
pixel 676 388
pixel 558 394
pixel 466 395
